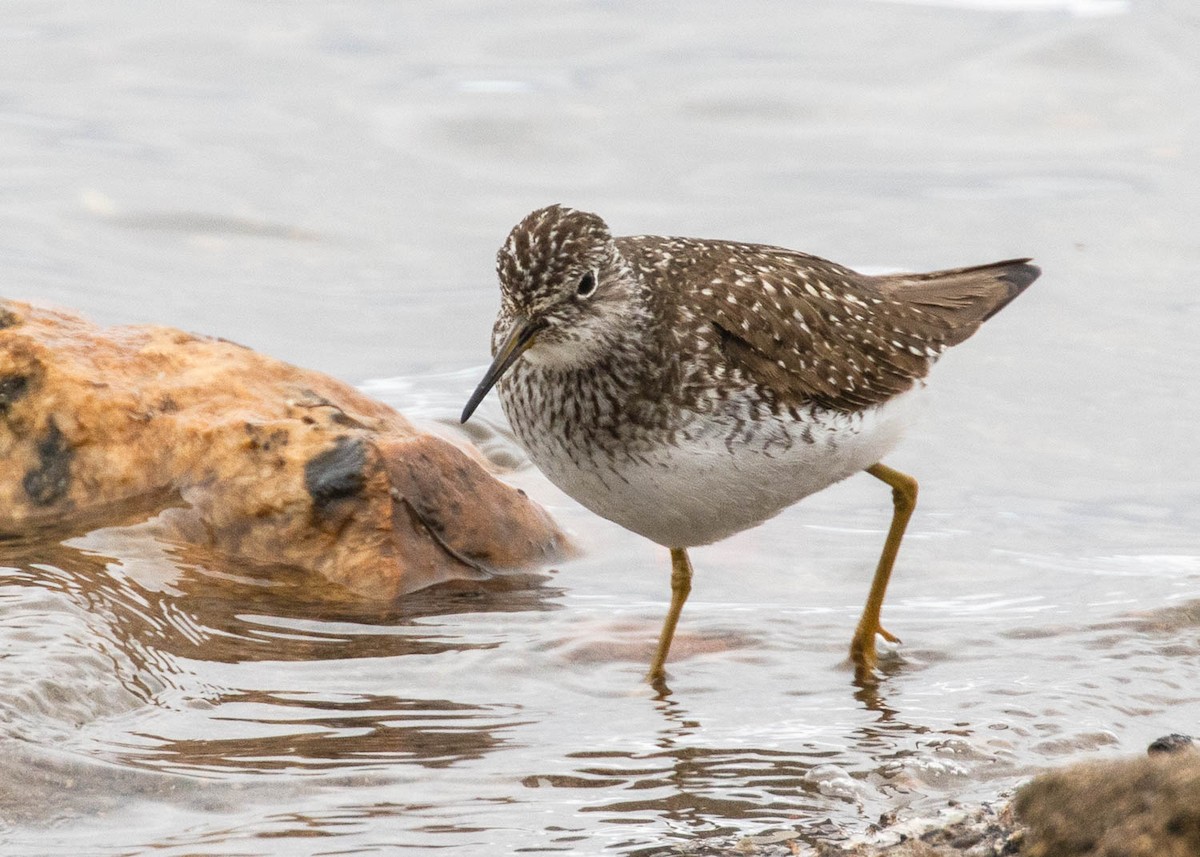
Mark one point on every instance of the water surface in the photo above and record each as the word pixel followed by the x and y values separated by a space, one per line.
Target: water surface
pixel 329 184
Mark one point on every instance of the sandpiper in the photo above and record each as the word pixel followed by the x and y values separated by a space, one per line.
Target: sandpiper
pixel 689 389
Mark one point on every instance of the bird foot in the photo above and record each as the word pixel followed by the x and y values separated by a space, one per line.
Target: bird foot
pixel 657 679
pixel 862 647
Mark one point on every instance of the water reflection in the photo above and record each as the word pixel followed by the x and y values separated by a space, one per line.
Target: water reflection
pixel 171 618
pixel 322 734
pixel 193 607
pixel 692 785
pixel 183 672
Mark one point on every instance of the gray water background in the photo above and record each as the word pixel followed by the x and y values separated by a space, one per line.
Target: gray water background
pixel 328 182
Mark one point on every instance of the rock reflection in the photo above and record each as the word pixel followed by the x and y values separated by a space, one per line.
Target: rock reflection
pixel 185 604
pixel 213 670
pixel 322 734
pixel 1174 621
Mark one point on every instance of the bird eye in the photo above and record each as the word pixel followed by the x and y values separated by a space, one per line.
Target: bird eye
pixel 587 284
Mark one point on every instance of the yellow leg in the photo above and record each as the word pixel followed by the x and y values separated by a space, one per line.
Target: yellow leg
pixel 904 500
pixel 681 586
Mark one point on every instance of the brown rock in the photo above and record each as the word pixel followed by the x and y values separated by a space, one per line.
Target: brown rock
pixel 1145 807
pixel 1142 807
pixel 260 460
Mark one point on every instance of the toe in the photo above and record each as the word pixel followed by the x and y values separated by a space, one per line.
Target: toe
pixel 889 636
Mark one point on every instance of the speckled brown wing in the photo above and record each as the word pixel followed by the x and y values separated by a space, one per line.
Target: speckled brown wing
pixel 816 332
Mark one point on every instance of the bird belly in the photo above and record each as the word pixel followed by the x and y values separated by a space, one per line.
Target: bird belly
pixel 722 473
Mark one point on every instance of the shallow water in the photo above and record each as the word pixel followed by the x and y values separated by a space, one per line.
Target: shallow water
pixel 329 184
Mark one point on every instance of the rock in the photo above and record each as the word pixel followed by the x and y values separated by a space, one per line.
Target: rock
pixel 1141 807
pixel 1145 807
pixel 244 455
pixel 1173 743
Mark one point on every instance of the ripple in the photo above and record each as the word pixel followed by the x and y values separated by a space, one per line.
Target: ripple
pixel 305 733
pixel 61 671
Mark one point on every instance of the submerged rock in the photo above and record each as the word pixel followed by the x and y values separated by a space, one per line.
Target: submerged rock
pixel 245 455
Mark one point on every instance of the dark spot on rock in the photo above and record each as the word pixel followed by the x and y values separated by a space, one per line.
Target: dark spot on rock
pixel 260 440
pixel 337 472
pixel 1173 743
pixel 8 318
pixel 12 387
pixel 48 482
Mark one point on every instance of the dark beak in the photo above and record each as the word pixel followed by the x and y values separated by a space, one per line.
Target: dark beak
pixel 519 338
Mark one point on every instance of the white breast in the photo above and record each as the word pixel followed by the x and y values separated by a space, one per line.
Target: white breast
pixel 723 474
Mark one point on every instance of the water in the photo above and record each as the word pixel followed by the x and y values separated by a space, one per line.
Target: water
pixel 328 183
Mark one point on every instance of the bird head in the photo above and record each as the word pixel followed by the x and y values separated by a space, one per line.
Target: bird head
pixel 564 294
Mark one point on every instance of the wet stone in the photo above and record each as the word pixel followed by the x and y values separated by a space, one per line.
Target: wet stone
pixel 278 465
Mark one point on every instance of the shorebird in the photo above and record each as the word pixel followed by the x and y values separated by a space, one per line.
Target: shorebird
pixel 689 389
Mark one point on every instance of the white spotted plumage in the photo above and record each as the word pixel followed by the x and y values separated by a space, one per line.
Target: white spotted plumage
pixel 707 385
